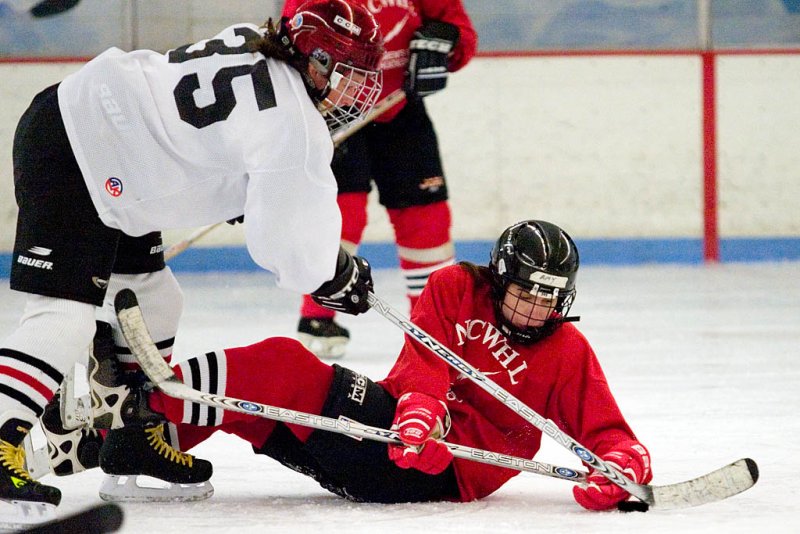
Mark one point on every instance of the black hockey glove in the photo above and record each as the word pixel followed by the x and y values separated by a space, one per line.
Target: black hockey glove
pixel 347 292
pixel 427 62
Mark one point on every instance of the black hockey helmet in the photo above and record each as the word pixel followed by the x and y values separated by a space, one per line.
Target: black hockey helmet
pixel 542 259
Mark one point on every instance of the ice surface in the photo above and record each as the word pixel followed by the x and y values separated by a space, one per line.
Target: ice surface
pixel 703 361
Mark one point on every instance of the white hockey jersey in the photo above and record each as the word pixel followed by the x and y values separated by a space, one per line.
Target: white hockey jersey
pixel 203 134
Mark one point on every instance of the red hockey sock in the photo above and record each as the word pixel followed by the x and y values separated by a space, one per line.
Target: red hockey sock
pixel 277 371
pixel 423 243
pixel 312 310
pixel 354 216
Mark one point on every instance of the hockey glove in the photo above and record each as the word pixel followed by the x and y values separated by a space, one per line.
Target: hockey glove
pixel 421 421
pixel 428 55
pixel 629 458
pixel 347 292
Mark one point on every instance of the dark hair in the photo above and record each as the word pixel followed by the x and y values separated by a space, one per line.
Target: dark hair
pixel 277 45
pixel 480 273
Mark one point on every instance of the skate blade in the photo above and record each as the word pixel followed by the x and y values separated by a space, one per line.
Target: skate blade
pixel 37 461
pixel 18 514
pixel 142 488
pixel 331 348
pixel 75 408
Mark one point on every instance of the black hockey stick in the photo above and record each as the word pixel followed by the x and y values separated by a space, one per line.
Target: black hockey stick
pixel 97 520
pixel 141 344
pixel 725 482
pixel 48 8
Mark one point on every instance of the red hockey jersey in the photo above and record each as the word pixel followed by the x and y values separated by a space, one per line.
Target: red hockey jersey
pixel 398 20
pixel 558 377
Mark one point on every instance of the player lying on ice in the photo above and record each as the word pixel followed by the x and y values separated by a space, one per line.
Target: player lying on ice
pixel 508 319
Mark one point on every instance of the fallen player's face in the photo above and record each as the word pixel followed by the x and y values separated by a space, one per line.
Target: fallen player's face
pixel 524 309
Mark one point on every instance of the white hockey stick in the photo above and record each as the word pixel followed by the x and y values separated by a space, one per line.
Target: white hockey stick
pixel 141 344
pixel 338 138
pixel 379 109
pixel 715 486
pixel 183 244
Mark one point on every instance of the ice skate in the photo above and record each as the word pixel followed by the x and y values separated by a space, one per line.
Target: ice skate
pixel 143 467
pixel 69 451
pixel 114 402
pixel 323 337
pixel 23 500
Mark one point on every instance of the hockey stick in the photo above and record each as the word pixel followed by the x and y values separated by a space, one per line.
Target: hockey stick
pixel 183 244
pixel 338 138
pixel 378 109
pixel 97 520
pixel 715 486
pixel 141 344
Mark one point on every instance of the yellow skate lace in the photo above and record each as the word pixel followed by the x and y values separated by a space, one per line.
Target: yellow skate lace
pixel 155 436
pixel 13 459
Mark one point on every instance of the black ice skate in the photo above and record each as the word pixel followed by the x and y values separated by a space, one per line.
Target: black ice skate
pixel 69 451
pixel 116 401
pixel 132 452
pixel 323 337
pixel 23 501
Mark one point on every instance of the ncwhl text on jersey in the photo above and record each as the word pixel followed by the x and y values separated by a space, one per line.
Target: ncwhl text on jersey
pixel 490 336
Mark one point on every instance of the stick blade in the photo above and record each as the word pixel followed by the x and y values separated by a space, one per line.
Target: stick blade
pixel 98 519
pixel 125 300
pixel 139 340
pixel 725 482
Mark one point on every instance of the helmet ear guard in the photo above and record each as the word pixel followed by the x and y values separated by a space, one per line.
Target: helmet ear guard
pixel 543 260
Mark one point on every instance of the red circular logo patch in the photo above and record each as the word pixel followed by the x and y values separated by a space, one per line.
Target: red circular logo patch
pixel 114 186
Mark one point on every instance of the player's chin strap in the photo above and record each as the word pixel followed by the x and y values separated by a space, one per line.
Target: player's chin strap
pixel 717 485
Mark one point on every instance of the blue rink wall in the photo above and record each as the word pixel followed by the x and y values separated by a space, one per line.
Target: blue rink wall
pixel 593 252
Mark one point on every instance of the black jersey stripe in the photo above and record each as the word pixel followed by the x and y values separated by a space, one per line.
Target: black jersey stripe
pixel 161 345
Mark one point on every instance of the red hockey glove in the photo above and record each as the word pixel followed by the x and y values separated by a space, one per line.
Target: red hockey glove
pixel 421 421
pixel 632 460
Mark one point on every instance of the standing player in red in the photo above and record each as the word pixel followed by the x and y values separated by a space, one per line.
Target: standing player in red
pixel 399 152
pixel 508 320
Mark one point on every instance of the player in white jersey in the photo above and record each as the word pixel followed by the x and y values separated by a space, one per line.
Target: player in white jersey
pixel 138 142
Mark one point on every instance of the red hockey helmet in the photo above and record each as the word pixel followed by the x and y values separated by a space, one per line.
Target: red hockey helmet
pixel 343 43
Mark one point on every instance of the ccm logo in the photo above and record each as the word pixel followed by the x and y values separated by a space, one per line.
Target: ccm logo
pixel 353 28
pixel 443 47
